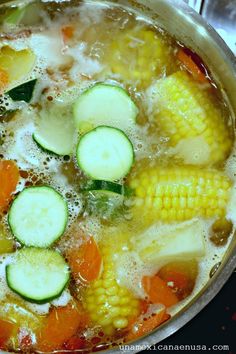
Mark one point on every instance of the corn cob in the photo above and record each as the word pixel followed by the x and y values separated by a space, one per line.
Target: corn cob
pixel 184 110
pixel 180 193
pixel 139 55
pixel 110 305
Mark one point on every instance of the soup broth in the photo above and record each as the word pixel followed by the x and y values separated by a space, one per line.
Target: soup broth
pixel 117 176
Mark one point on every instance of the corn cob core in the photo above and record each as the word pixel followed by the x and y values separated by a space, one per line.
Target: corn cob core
pixel 110 305
pixel 185 111
pixel 139 55
pixel 180 193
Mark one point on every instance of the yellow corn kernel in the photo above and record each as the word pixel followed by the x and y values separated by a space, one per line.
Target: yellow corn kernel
pixel 109 305
pixel 196 194
pixel 120 323
pixel 148 55
pixel 189 116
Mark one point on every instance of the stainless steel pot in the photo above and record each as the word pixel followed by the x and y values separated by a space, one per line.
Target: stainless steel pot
pixel 188 26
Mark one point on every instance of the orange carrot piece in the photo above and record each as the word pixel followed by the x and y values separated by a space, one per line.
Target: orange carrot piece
pixel 142 327
pixel 143 306
pixel 182 275
pixel 158 292
pixel 6 331
pixel 191 66
pixel 67 32
pixel 60 325
pixel 85 262
pixel 4 79
pixel 179 280
pixel 9 178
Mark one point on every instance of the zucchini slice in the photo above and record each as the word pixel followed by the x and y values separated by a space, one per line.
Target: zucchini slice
pixel 105 153
pixel 104 104
pixel 38 216
pixel 55 130
pixel 38 275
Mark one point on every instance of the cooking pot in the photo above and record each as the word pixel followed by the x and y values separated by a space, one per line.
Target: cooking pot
pixel 188 27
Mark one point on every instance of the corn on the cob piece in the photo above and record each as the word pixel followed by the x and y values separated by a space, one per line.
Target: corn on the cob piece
pixel 110 305
pixel 184 110
pixel 180 193
pixel 139 55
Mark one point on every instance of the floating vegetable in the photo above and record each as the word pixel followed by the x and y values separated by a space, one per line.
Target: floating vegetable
pixel 60 325
pixel 85 261
pixel 23 92
pixel 38 216
pixel 55 129
pixel 110 305
pixel 38 275
pixel 105 153
pixel 176 242
pixel 104 104
pixel 9 178
pixel 180 193
pixel 16 63
pixel 158 292
pixel 184 111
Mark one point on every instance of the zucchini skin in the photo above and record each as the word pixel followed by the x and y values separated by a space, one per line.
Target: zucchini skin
pixel 107 186
pixel 49 152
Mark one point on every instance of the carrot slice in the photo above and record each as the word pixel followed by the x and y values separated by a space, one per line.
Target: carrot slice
pixel 143 306
pixel 6 331
pixel 61 324
pixel 9 177
pixel 142 327
pixel 158 292
pixel 191 66
pixel 179 280
pixel 86 262
pixel 182 276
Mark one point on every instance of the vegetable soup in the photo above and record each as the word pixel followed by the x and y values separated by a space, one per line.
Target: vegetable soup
pixel 117 176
